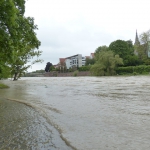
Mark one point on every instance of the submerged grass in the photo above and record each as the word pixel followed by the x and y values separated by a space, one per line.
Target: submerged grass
pixel 2 86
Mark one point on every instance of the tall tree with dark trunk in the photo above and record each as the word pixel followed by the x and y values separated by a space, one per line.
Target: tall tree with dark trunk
pixel 18 41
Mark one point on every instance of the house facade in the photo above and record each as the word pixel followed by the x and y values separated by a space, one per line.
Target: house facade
pixel 73 61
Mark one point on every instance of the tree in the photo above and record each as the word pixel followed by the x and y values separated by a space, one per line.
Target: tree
pixel 120 48
pixel 26 48
pixel 7 25
pixel 145 37
pixel 48 67
pixel 18 40
pixel 100 49
pixel 131 47
pixel 133 60
pixel 89 61
pixel 124 49
pixel 143 48
pixel 106 63
pixel 9 11
pixel 4 71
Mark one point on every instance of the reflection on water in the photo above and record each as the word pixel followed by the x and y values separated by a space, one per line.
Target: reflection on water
pixel 88 112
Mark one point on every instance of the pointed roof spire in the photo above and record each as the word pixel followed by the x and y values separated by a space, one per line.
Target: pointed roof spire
pixel 137 42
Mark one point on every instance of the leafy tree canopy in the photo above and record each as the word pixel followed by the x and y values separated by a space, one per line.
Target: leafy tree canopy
pixel 106 63
pixel 143 48
pixel 144 37
pixel 124 49
pixel 120 47
pixel 89 61
pixel 18 41
pixel 100 49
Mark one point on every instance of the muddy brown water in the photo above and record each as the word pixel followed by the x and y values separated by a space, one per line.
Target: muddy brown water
pixel 83 113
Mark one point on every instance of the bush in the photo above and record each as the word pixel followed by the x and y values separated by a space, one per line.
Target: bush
pixel 134 73
pixel 2 86
pixel 75 73
pixel 84 68
pixel 131 69
pixel 70 70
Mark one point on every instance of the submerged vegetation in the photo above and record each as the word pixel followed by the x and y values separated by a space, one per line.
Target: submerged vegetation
pixel 2 86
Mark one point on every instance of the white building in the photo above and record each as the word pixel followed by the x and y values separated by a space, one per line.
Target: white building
pixel 75 61
pixel 83 61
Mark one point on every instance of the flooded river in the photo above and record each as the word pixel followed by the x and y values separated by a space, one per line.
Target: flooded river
pixel 83 113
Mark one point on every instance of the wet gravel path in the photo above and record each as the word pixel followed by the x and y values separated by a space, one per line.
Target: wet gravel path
pixel 21 127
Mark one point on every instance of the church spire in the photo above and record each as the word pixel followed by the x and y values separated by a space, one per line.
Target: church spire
pixel 137 42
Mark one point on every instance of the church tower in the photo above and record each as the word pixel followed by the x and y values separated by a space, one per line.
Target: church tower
pixel 136 43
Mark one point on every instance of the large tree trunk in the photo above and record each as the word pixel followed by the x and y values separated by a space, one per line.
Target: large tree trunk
pixel 16 76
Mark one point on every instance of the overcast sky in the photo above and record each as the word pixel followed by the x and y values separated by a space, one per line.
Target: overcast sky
pixel 69 27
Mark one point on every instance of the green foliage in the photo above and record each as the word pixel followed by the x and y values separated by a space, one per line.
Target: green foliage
pixel 142 50
pixel 52 68
pixel 119 47
pixel 98 70
pixel 125 50
pixel 100 49
pixel 106 63
pixel 40 71
pixel 57 69
pixel 134 73
pixel 2 86
pixel 10 11
pixel 89 61
pixel 18 40
pixel 131 69
pixel 132 60
pixel 84 68
pixel 75 73
pixel 145 37
pixel 125 70
pixel 4 72
pixel 70 70
pixel 131 47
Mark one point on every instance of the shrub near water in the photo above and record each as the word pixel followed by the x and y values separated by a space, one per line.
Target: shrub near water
pixel 75 73
pixel 84 68
pixel 2 86
pixel 142 69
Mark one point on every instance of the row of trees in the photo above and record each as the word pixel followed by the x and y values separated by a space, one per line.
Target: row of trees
pixel 120 53
pixel 18 41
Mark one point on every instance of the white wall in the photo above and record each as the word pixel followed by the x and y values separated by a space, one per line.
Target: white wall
pixel 75 60
pixel 68 63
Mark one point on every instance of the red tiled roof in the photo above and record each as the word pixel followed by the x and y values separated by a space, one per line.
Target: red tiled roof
pixel 62 60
